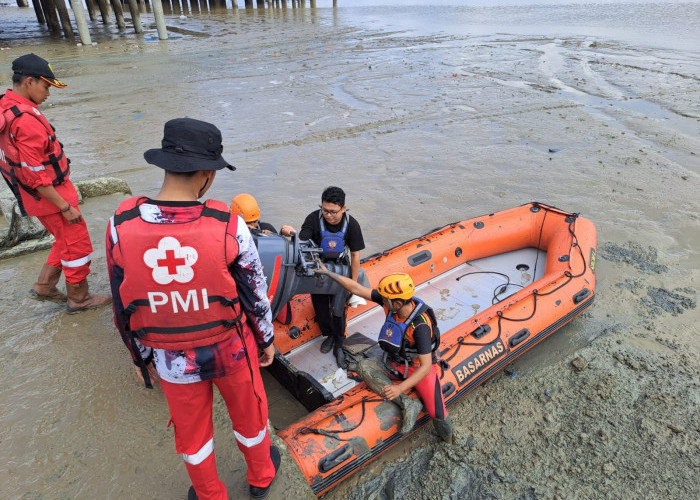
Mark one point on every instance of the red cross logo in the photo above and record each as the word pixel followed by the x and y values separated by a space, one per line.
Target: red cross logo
pixel 171 262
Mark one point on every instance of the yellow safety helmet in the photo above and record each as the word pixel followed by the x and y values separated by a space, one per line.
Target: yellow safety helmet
pixel 245 206
pixel 396 286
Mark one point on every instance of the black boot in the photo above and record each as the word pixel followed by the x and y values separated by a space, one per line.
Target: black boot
pixel 261 493
pixel 327 344
pixel 339 353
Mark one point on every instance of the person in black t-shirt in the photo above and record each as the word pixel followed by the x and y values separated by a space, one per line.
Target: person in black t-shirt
pixel 339 236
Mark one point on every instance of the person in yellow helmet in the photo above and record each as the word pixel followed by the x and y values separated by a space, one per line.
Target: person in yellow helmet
pixel 410 339
pixel 246 206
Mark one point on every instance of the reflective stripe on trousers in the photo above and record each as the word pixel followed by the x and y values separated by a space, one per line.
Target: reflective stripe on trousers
pixel 201 455
pixel 250 442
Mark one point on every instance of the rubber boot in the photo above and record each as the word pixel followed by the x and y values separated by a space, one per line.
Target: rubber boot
pixel 339 353
pixel 444 429
pixel 376 378
pixel 80 299
pixel 45 286
pixel 410 409
pixel 191 494
pixel 327 344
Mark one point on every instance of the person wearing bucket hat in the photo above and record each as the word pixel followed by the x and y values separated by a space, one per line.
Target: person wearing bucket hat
pixel 37 171
pixel 190 303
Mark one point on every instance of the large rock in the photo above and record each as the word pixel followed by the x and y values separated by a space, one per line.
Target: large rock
pixel 20 228
pixel 26 234
pixel 101 186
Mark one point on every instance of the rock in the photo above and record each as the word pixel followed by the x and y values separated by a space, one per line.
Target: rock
pixel 25 247
pixel 579 364
pixel 26 234
pixel 676 429
pixel 609 469
pixel 101 186
pixel 20 228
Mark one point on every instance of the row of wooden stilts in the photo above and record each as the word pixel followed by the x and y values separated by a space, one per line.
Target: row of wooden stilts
pixel 54 13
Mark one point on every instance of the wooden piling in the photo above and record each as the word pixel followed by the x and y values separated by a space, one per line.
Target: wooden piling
pixel 79 14
pixel 160 19
pixel 104 11
pixel 65 18
pixel 119 14
pixel 51 17
pixel 38 11
pixel 22 3
pixel 135 16
pixel 91 9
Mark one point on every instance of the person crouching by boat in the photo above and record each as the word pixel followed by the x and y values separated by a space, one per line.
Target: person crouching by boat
pixel 246 206
pixel 410 339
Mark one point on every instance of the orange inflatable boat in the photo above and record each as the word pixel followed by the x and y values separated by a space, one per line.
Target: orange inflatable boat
pixel 499 284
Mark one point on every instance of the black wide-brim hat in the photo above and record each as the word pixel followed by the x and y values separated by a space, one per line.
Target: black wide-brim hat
pixel 189 145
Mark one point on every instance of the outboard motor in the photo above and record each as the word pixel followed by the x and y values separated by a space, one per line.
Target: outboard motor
pixel 289 264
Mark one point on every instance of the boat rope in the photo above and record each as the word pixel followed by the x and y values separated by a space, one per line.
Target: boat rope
pixel 571 218
pixel 333 433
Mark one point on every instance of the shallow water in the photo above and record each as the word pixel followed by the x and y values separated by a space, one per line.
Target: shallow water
pixel 424 116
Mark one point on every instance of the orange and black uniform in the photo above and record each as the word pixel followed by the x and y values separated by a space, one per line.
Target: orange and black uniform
pixel 31 156
pixel 418 339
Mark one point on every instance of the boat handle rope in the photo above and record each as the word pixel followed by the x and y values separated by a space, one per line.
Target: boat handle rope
pixel 444 363
pixel 333 433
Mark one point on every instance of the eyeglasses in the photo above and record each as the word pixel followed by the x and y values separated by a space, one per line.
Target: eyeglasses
pixel 330 212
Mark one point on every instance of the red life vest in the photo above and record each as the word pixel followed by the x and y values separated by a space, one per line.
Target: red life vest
pixel 9 154
pixel 177 292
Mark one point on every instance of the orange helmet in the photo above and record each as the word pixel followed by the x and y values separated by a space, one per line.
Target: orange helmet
pixel 245 206
pixel 396 286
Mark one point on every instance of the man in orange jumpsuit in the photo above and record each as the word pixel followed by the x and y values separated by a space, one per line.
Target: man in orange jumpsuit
pixel 34 166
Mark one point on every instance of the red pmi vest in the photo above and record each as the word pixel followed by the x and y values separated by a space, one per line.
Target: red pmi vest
pixel 177 291
pixel 9 155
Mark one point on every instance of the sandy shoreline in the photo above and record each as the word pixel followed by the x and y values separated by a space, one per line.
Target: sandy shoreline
pixel 420 128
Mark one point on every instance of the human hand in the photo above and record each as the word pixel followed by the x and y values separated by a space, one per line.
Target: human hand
pixel 267 356
pixel 320 268
pixel 72 215
pixel 152 373
pixel 391 391
pixel 287 230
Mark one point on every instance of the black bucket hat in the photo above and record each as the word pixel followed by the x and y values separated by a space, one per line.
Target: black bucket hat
pixel 33 65
pixel 189 145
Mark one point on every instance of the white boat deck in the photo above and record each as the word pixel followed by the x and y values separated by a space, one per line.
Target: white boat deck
pixel 455 296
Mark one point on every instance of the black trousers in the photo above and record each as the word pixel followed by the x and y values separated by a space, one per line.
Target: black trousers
pixel 330 324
